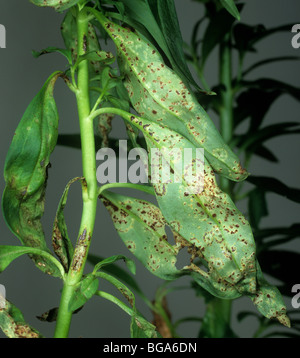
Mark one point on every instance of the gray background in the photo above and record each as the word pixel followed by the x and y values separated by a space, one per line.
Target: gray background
pixel 21 77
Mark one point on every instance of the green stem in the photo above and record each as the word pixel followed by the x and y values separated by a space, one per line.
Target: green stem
pixel 218 314
pixel 90 190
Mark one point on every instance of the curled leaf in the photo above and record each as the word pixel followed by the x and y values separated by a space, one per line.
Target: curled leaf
pixel 26 171
pixel 13 324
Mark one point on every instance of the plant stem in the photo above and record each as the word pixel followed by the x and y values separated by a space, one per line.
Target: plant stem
pixel 89 192
pixel 218 313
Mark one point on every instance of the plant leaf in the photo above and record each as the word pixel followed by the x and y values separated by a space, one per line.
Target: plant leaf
pixel 13 325
pixel 61 242
pixel 120 273
pixel 10 253
pixel 267 61
pixel 276 186
pixel 213 34
pixel 157 93
pixel 112 259
pixel 221 236
pixel 66 53
pixel 26 171
pixel 257 206
pixel 86 289
pixel 246 36
pixel 230 6
pixel 282 265
pixel 58 5
pixel 141 227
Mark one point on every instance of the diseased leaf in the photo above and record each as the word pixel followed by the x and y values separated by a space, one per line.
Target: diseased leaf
pixel 13 325
pixel 142 229
pixel 110 260
pixel 49 316
pixel 61 242
pixel 58 5
pixel 170 28
pixel 220 236
pixel 121 274
pixel 230 6
pixel 26 171
pixel 10 253
pixel 158 94
pixel 64 52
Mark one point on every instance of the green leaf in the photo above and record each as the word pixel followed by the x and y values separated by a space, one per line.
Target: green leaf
pixel 230 6
pixel 58 5
pixel 86 289
pixel 61 242
pixel 250 141
pixel 10 253
pixel 246 36
pixel 213 34
pixel 141 328
pixel 26 171
pixel 120 273
pixel 170 28
pixel 244 106
pixel 112 259
pixel 289 233
pixel 66 53
pixel 275 186
pixel 257 206
pixel 268 61
pixel 158 94
pixel 13 325
pixel 139 325
pixel 215 323
pixel 96 56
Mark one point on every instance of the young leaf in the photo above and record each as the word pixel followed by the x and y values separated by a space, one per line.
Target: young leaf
pixel 221 236
pixel 230 6
pixel 66 53
pixel 61 242
pixel 121 274
pixel 26 171
pixel 158 94
pixel 214 34
pixel 86 289
pixel 13 325
pixel 110 260
pixel 58 5
pixel 169 25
